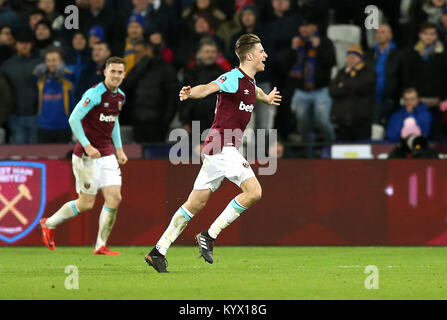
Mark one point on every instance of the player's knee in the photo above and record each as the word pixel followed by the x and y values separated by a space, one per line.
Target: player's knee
pixel 255 195
pixel 114 200
pixel 196 205
pixel 85 205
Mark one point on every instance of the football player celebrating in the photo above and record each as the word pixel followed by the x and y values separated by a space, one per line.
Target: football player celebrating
pixel 94 122
pixel 237 95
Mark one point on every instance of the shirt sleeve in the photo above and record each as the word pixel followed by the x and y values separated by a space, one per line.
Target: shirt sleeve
pixel 116 135
pixel 88 101
pixel 228 82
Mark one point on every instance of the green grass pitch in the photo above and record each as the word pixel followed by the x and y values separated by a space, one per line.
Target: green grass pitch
pixel 238 273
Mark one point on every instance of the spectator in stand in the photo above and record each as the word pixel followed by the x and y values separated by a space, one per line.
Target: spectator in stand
pixel 8 16
pixel 135 34
pixel 387 60
pixel 7 42
pixel 442 27
pixel 412 118
pixel 78 56
pixel 203 70
pixel 83 4
pixel 44 38
pixel 207 7
pixel 51 14
pixel 18 72
pixel 93 73
pixel 55 99
pixel 95 35
pixel 424 11
pixel 34 17
pixel 202 28
pixel 158 15
pixel 424 68
pixel 5 107
pixel 310 62
pixel 353 91
pixel 152 91
pixel 113 22
pixel 282 22
pixel 159 46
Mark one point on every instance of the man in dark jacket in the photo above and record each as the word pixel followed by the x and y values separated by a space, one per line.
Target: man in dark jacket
pixel 310 61
pixel 352 92
pixel 386 58
pixel 424 68
pixel 18 72
pixel 151 88
pixel 113 22
pixel 94 71
pixel 204 70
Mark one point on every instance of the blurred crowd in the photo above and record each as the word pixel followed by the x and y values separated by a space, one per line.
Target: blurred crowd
pixel 340 82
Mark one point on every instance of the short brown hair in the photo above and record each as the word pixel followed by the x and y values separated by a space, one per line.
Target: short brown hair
pixel 410 90
pixel 54 50
pixel 245 43
pixel 427 25
pixel 117 60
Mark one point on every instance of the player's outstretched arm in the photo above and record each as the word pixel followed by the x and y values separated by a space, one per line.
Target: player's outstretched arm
pixel 198 92
pixel 273 98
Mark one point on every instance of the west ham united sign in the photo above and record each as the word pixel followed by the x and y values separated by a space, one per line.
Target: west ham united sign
pixel 22 198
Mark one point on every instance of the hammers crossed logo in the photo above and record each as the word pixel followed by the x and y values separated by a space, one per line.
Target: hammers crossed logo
pixel 10 205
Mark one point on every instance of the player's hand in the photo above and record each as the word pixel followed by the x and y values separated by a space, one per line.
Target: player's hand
pixel 92 152
pixel 185 92
pixel 274 98
pixel 122 158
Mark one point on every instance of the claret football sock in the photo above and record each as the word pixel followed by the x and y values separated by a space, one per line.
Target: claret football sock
pixel 178 222
pixel 230 213
pixel 67 211
pixel 107 219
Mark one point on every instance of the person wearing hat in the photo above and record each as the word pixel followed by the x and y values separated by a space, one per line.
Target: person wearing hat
pixel 18 72
pixel 95 34
pixel 135 33
pixel 352 92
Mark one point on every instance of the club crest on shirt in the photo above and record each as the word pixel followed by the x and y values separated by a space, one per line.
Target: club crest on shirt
pixel 222 79
pixel 106 104
pixel 87 185
pixel 245 164
pixel 86 102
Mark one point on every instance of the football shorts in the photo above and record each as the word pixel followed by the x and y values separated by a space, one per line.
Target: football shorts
pixel 94 174
pixel 228 164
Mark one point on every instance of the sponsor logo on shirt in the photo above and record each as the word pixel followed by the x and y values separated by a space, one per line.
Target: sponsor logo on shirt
pixel 244 107
pixel 105 118
pixel 222 79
